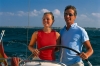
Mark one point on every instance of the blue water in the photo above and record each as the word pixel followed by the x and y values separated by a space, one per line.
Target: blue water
pixel 16 40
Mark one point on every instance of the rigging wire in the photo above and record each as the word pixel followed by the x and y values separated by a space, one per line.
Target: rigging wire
pixel 28 24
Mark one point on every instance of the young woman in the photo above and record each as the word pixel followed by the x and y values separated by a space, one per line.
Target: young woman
pixel 45 37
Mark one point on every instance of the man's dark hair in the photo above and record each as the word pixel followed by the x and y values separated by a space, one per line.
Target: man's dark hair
pixel 71 7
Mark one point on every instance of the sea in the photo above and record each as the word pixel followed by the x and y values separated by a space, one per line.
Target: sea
pixel 16 40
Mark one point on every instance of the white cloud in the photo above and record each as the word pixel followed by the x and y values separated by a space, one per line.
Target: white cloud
pixel 83 16
pixel 9 13
pixel 96 15
pixel 31 13
pixel 88 20
pixel 22 13
pixel 34 13
pixel 45 10
pixel 56 12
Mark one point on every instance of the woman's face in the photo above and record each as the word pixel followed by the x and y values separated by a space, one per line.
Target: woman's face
pixel 47 20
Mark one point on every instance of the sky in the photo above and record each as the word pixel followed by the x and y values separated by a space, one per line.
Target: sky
pixel 29 12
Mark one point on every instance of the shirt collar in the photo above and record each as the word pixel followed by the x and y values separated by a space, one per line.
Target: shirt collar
pixel 74 24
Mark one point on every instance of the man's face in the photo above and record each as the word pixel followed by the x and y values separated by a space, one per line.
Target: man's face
pixel 69 16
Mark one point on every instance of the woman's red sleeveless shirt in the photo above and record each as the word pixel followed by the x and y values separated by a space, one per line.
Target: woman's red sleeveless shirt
pixel 46 39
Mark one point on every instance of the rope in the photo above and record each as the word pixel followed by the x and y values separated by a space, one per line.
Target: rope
pixel 2 33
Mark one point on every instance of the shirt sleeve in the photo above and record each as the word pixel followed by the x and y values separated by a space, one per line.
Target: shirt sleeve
pixel 85 36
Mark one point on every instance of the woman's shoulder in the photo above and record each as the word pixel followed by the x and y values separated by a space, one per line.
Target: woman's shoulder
pixel 55 31
pixel 35 33
pixel 57 34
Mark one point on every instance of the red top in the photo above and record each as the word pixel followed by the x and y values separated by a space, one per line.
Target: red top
pixel 46 39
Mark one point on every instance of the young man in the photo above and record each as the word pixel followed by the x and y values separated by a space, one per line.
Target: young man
pixel 75 37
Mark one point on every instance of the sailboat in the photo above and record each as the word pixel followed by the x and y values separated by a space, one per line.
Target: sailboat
pixel 16 61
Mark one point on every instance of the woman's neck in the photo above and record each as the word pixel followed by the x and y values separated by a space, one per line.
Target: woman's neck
pixel 47 30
